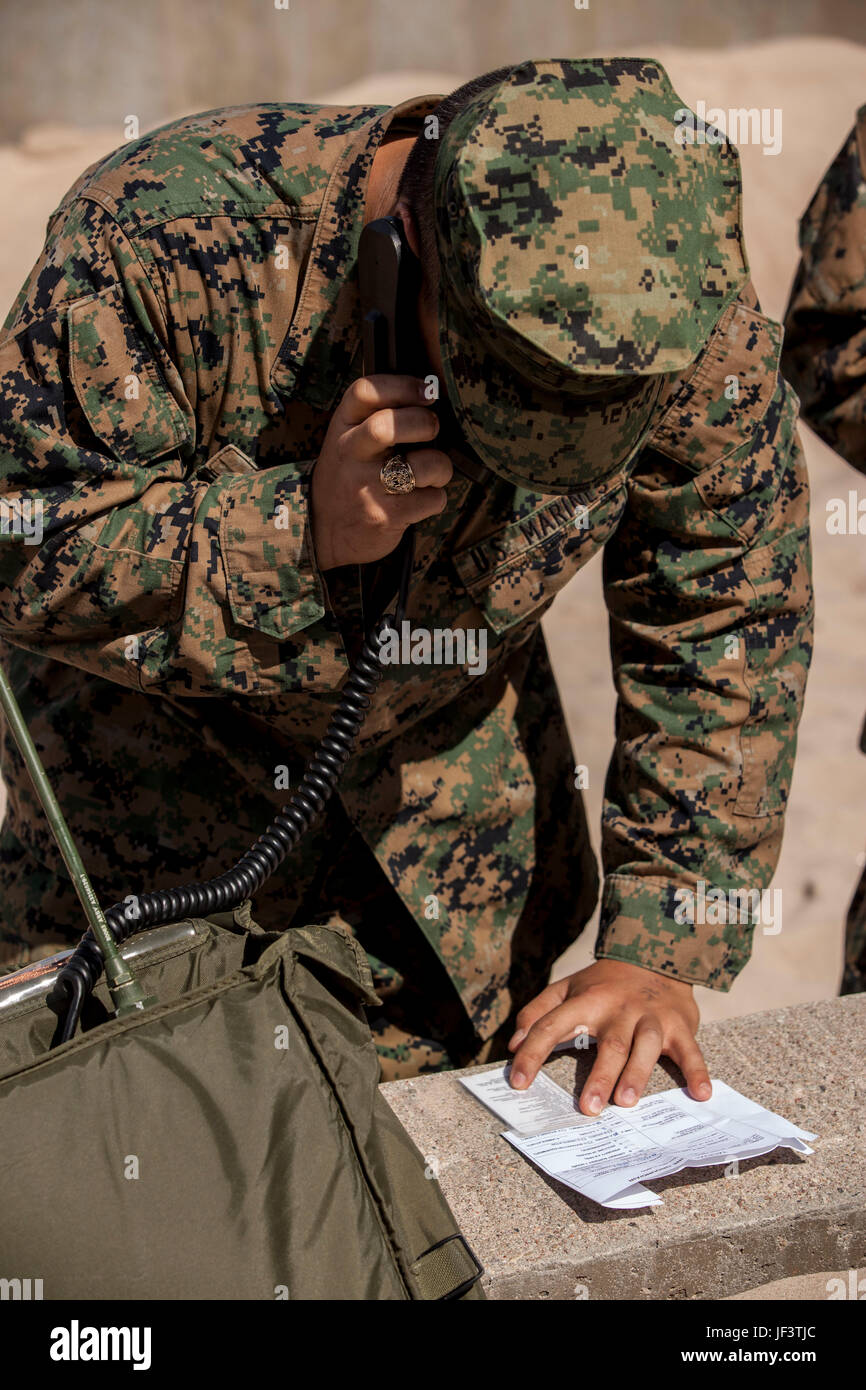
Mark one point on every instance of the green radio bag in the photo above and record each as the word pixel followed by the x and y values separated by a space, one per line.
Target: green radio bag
pixel 229 1142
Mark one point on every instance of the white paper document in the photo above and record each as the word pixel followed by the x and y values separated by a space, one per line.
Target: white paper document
pixel 608 1157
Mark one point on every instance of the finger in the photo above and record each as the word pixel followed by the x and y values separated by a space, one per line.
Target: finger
pixel 614 1049
pixel 539 1006
pixel 557 1025
pixel 646 1048
pixel 390 514
pixel 690 1060
pixel 376 392
pixel 386 430
pixel 408 507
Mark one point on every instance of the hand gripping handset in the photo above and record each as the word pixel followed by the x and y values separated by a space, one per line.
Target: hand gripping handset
pixel 388 276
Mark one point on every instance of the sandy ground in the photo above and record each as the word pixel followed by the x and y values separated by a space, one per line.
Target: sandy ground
pixel 817 84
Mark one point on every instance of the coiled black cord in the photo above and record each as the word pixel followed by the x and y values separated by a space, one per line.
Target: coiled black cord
pixel 228 890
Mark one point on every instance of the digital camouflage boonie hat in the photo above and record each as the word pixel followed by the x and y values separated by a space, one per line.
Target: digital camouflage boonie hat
pixel 585 251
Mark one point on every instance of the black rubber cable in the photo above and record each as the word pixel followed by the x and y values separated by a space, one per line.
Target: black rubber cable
pixel 228 890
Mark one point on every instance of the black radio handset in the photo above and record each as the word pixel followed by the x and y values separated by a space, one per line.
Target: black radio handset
pixel 389 279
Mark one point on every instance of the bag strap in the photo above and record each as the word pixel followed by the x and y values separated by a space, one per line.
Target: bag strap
pixel 447 1270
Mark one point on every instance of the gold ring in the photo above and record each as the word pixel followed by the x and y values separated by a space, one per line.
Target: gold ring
pixel 396 475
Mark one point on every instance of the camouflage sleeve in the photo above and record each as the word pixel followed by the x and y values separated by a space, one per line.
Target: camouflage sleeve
pixel 114 556
pixel 708 586
pixel 825 322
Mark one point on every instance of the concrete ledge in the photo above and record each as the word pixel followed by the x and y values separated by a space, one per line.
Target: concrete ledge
pixel 784 1215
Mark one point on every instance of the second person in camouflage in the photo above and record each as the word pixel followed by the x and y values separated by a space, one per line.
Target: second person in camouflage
pixel 824 358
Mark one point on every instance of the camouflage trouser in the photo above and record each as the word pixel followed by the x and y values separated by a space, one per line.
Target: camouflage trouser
pixel 402 1054
pixel 422 1025
pixel 854 978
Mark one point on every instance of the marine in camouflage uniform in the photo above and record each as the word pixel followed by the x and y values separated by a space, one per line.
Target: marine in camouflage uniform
pixel 824 357
pixel 169 372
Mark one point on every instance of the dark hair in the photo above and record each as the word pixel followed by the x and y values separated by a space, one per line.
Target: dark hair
pixel 416 180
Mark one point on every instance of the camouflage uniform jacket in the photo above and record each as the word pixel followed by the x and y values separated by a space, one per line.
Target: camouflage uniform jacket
pixel 824 357
pixel 825 322
pixel 169 371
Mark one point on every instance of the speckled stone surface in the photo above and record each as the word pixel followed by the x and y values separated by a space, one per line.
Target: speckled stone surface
pixel 785 1214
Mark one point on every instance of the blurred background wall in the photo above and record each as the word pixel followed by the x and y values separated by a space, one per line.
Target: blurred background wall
pixel 86 61
pixel 72 71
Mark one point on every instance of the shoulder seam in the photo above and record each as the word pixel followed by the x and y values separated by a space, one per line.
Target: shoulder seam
pixel 307 210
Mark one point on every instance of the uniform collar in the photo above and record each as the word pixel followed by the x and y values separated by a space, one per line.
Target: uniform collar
pixel 324 335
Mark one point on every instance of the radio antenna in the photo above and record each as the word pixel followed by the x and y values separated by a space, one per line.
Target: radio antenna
pixel 127 994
